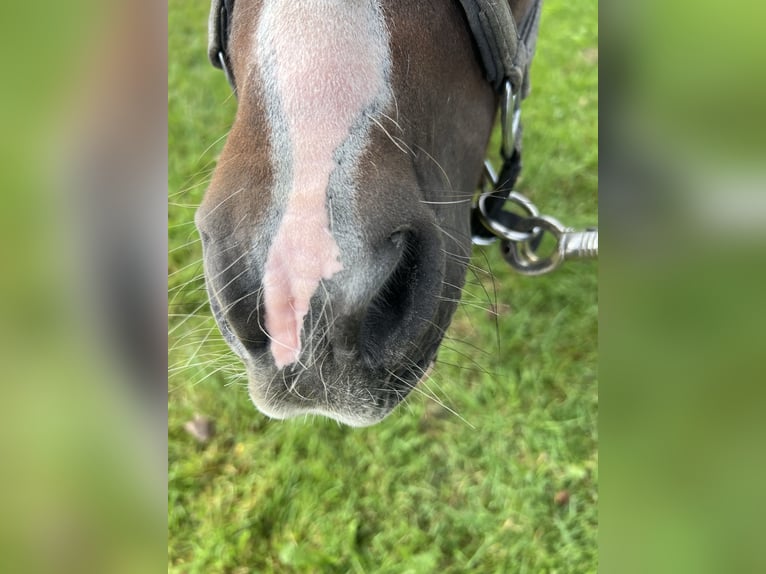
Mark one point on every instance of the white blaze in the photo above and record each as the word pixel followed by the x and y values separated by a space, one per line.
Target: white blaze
pixel 324 63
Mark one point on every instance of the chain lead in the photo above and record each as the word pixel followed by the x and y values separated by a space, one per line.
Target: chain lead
pixel 570 244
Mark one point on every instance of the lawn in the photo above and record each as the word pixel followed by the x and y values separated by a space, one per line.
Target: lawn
pixel 493 467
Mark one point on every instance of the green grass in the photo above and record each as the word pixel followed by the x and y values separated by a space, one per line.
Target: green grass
pixel 425 490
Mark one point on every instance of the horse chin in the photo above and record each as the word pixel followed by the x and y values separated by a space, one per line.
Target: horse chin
pixel 349 418
pixel 361 398
pixel 288 404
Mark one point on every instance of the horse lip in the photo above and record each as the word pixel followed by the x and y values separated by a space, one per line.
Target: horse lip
pixel 367 399
pixel 346 417
pixel 280 403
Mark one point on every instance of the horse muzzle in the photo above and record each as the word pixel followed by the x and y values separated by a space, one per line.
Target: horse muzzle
pixel 368 335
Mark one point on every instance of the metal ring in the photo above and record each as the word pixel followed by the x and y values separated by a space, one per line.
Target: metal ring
pixel 522 257
pixel 487 185
pixel 501 230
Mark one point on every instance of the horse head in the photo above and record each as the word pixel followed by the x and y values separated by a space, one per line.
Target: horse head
pixel 336 227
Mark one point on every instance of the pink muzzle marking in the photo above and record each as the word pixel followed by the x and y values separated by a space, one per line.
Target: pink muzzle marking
pixel 327 72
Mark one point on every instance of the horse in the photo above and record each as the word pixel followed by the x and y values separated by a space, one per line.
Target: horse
pixel 336 229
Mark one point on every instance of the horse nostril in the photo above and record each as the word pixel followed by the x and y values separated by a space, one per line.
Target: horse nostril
pixel 395 295
pixel 397 311
pixel 246 319
pixel 239 317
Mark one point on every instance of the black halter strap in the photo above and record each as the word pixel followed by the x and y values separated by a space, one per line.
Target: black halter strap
pixel 494 32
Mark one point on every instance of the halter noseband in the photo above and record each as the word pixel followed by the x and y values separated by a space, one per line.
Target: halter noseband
pixel 506 49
